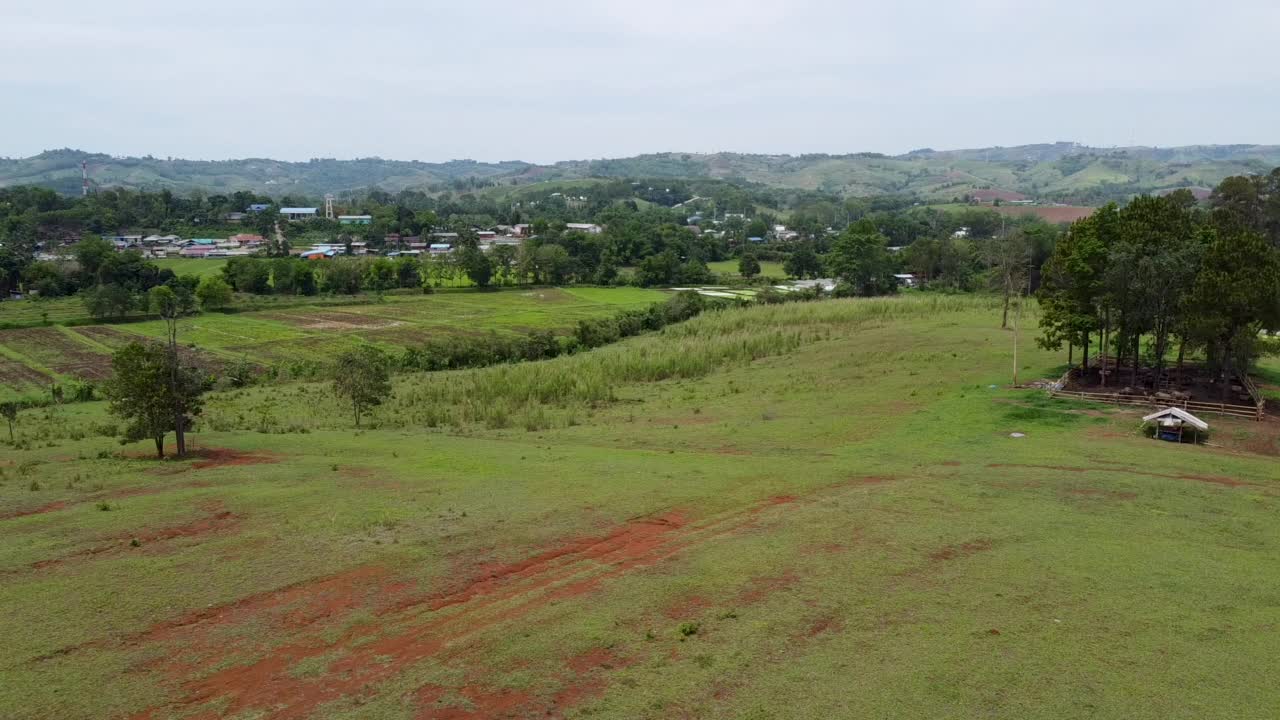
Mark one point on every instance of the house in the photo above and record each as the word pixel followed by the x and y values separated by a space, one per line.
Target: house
pixel 258 207
pixel 123 242
pixel 486 235
pixel 439 248
pixel 197 251
pixel 318 254
pixel 247 239
pixel 234 216
pixel 521 230
pixel 355 219
pixel 298 213
pixel 589 228
pixel 413 242
pixel 755 239
pixel 1171 422
pixel 445 237
pixel 906 280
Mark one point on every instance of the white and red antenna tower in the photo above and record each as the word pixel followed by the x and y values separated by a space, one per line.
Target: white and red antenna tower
pixel 328 206
pixel 84 177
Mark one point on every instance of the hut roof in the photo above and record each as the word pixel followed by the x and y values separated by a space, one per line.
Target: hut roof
pixel 1176 414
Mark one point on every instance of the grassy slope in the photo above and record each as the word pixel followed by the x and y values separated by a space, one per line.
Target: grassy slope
pixel 200 267
pixel 834 526
pixel 305 333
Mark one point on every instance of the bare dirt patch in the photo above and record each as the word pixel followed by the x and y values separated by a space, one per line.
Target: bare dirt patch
pixel 334 320
pixel 226 457
pixel 17 375
pixel 409 625
pixel 49 507
pixel 961 550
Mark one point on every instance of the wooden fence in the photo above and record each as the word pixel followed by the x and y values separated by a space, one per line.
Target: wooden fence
pixel 1250 412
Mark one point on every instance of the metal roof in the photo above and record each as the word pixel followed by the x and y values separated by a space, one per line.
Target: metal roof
pixel 1178 414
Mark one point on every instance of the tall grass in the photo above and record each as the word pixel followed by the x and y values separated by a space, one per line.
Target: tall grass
pixel 550 393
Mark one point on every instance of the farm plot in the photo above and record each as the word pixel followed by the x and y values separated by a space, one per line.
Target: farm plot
pixel 61 351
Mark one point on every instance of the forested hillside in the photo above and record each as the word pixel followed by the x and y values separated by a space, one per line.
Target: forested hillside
pixel 1061 172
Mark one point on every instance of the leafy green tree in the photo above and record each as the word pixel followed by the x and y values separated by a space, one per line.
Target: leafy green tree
pixel 803 263
pixel 143 391
pixel 108 301
pixel 475 264
pixel 859 259
pixel 748 265
pixel 380 275
pixel 407 273
pixel 504 259
pixel 552 264
pixel 1071 291
pixel 213 293
pixel 1236 295
pixel 90 253
pixel 362 377
pixel 341 276
pixel 304 278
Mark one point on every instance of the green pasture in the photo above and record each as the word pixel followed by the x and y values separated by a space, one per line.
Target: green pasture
pixel 283 333
pixel 768 268
pixel 795 511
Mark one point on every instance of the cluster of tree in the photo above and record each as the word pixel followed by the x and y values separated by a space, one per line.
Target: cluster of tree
pixel 1162 271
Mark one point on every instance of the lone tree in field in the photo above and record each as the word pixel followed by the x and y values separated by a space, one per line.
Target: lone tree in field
pixel 10 412
pixel 151 394
pixel 362 377
pixel 170 306
pixel 748 265
pixel 214 293
pixel 1010 259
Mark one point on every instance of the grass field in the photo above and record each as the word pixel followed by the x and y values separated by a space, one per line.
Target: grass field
pixel 768 268
pixel 200 267
pixel 810 510
pixel 300 336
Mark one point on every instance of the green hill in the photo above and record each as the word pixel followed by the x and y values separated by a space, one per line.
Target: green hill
pixel 1064 172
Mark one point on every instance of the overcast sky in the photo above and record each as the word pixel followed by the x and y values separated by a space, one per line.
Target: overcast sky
pixel 545 80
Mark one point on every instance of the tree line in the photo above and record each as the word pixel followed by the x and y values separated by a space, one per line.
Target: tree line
pixel 1160 273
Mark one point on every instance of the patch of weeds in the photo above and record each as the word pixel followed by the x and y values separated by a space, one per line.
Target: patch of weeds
pixel 703 661
pixel 688 629
pixel 104 507
pixel 134 543
pixel 34 486
pixel 728 615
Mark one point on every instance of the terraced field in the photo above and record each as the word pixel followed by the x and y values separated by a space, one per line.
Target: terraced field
pixel 32 358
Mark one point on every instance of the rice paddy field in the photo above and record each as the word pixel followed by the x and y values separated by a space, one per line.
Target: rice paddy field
pixel 785 511
pixel 302 335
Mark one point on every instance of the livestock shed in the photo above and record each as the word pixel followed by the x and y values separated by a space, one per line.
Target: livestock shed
pixel 1170 423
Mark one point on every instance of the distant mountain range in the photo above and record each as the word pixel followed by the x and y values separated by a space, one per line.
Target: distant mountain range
pixel 1063 172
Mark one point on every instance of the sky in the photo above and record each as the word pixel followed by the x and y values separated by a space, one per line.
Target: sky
pixel 547 80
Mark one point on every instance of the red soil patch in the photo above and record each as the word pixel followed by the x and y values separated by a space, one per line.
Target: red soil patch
pixel 781 499
pixel 823 625
pixel 688 607
pixel 1051 214
pixel 953 552
pixel 481 704
pixel 1215 480
pixel 760 588
pixel 217 521
pixel 410 628
pixel 35 511
pixel 225 457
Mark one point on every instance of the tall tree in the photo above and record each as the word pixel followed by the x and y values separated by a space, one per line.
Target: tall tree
pixel 141 392
pixel 859 258
pixel 362 377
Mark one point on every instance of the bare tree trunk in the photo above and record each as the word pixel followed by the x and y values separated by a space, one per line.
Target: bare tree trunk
pixel 1137 353
pixel 1084 359
pixel 1106 334
pixel 160 447
pixel 1071 349
pixel 1182 354
pixel 1004 319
